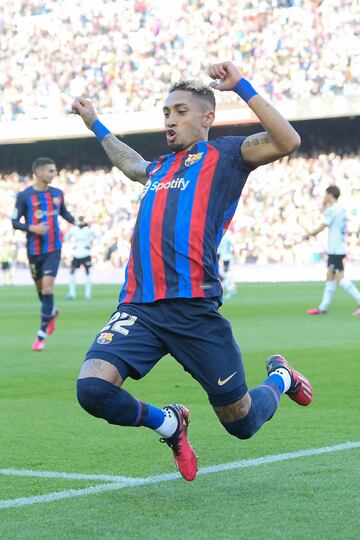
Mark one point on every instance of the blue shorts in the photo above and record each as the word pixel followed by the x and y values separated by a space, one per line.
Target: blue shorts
pixel 46 264
pixel 191 330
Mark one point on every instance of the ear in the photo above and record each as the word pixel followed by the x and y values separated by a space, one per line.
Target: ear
pixel 208 119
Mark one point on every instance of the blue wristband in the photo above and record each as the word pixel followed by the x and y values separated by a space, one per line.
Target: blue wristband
pixel 244 89
pixel 100 130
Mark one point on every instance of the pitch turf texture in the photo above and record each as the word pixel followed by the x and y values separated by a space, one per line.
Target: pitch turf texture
pixel 44 429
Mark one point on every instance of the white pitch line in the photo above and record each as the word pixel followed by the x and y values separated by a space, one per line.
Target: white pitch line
pixel 112 486
pixel 57 495
pixel 65 476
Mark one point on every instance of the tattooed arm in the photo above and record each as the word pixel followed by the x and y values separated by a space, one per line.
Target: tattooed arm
pixel 125 158
pixel 120 154
pixel 279 139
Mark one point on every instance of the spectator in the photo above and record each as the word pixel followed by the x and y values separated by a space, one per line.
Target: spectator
pixel 53 51
pixel 299 182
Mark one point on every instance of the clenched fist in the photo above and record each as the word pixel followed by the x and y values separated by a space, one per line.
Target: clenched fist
pixel 84 108
pixel 225 76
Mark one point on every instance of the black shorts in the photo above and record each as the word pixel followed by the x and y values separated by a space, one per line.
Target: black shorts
pixel 84 261
pixel 46 264
pixel 226 265
pixel 5 265
pixel 335 263
pixel 191 330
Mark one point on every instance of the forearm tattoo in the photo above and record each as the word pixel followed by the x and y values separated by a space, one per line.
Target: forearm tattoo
pixel 125 158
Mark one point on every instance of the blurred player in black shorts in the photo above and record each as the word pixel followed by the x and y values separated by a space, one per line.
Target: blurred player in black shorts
pixel 41 205
pixel 82 238
pixel 335 220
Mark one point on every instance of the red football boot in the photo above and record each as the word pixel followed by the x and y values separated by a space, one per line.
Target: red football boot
pixel 38 345
pixel 184 455
pixel 316 311
pixel 51 326
pixel 300 389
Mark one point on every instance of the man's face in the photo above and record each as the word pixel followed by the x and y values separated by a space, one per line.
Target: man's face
pixel 328 199
pixel 46 173
pixel 187 119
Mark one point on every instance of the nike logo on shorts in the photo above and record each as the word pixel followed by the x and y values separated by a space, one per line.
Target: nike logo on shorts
pixel 221 382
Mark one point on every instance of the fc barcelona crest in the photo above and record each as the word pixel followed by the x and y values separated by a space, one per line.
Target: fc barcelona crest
pixel 193 158
pixel 105 338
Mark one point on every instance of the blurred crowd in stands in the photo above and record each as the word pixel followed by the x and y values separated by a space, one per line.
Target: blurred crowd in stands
pixel 123 54
pixel 279 204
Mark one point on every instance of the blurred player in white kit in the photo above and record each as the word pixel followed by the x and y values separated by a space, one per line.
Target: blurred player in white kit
pixel 335 220
pixel 82 237
pixel 225 254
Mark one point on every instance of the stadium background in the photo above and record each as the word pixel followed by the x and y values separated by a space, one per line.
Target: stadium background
pixel 303 55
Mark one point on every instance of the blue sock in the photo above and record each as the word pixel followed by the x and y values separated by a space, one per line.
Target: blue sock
pixel 105 400
pixel 266 398
pixel 264 402
pixel 278 380
pixel 47 307
pixel 150 416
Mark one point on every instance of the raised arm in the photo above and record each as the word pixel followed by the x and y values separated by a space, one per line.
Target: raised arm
pixel 279 139
pixel 120 154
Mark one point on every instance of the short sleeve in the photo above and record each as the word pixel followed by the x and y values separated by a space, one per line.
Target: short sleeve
pixel 232 146
pixel 329 215
pixel 150 167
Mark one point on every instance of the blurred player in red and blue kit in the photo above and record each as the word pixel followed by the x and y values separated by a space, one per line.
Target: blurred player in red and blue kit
pixel 171 295
pixel 40 205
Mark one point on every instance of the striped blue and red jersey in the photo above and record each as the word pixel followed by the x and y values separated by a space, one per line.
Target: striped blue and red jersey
pixel 188 202
pixel 41 207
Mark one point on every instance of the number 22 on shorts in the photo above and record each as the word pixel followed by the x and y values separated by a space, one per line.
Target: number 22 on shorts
pixel 119 322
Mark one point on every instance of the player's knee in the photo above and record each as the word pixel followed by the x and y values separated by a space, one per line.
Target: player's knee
pixel 244 428
pixel 47 289
pixel 105 400
pixel 92 395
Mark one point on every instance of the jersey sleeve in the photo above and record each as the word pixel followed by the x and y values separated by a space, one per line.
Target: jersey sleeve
pixel 234 144
pixel 329 215
pixel 18 213
pixel 64 212
pixel 150 167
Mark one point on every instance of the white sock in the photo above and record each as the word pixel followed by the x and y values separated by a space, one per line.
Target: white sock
pixel 72 285
pixel 285 375
pixel 41 334
pixel 169 425
pixel 88 288
pixel 351 289
pixel 330 288
pixel 229 285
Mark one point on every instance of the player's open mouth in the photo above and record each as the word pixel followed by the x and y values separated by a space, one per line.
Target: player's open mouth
pixel 170 135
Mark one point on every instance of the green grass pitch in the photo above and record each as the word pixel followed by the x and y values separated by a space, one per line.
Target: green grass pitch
pixel 42 428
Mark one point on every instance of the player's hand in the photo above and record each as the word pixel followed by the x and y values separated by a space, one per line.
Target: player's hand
pixel 84 108
pixel 39 228
pixel 225 76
